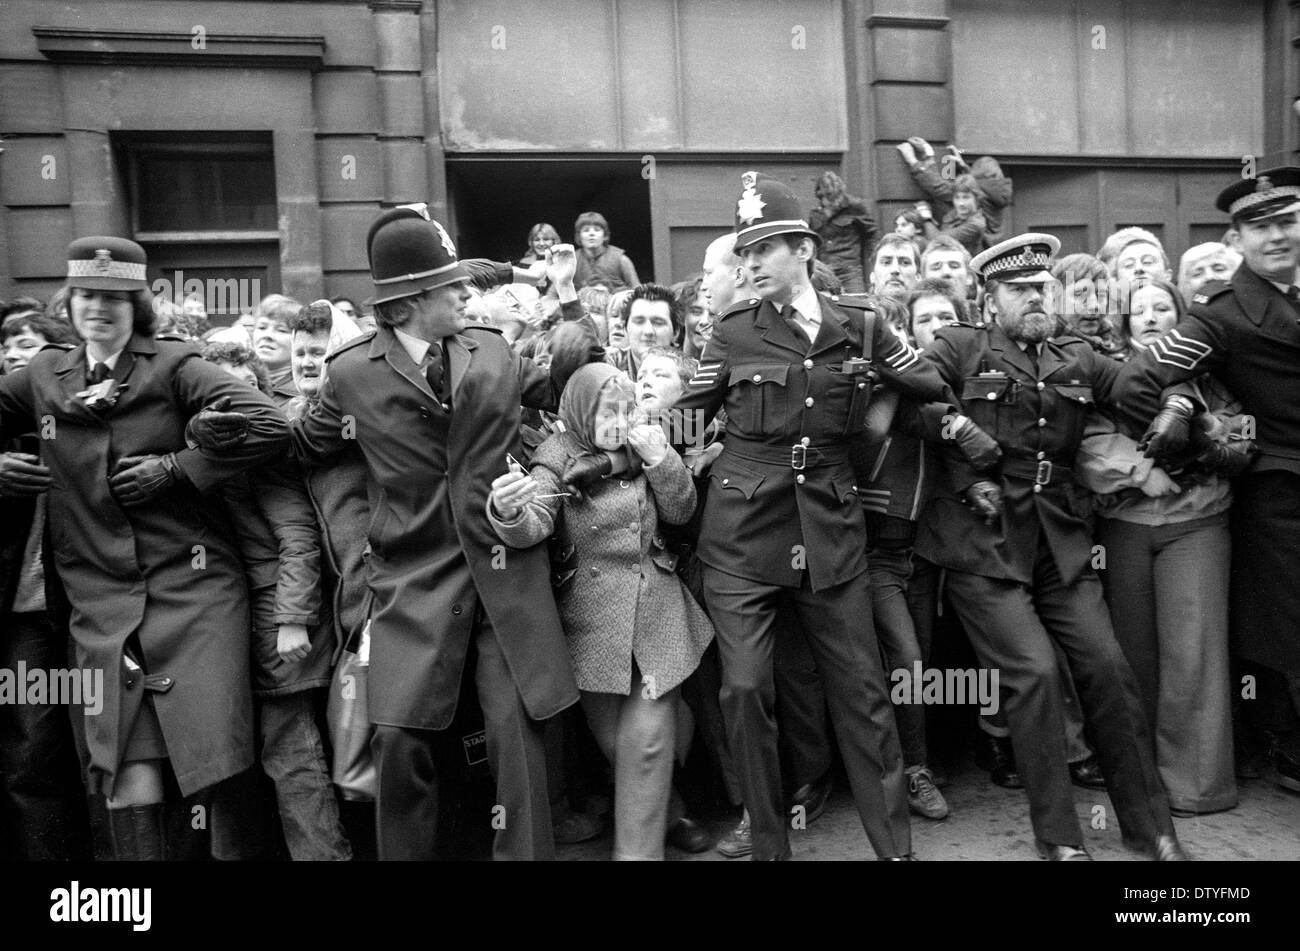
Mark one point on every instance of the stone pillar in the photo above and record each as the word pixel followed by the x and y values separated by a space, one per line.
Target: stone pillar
pixel 402 132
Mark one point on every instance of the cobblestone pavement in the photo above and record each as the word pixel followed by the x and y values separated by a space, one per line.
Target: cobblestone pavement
pixel 991 823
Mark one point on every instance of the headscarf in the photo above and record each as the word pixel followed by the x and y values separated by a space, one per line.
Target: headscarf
pixel 582 395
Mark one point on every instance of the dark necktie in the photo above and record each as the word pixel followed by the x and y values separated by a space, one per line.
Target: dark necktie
pixel 792 320
pixel 1031 352
pixel 435 372
pixel 98 374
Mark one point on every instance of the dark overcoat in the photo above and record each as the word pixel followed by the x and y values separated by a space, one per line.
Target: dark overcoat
pixel 434 557
pixel 167 570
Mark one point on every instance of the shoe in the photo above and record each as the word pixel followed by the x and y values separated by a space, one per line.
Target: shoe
pixel 1087 774
pixel 738 842
pixel 687 835
pixel 923 797
pixel 1165 848
pixel 995 755
pixel 574 827
pixel 909 857
pixel 1288 771
pixel 1061 853
pixel 813 798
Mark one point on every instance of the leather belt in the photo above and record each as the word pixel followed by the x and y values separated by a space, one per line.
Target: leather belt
pixel 1037 471
pixel 798 456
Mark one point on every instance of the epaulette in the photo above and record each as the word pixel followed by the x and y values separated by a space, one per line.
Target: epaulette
pixel 58 346
pixel 354 342
pixel 477 326
pixel 860 301
pixel 1065 339
pixel 1209 291
pixel 739 307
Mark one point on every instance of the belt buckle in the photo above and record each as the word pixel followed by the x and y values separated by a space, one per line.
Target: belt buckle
pixel 1044 474
pixel 798 457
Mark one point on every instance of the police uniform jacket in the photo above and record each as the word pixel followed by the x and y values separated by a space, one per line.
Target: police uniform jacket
pixel 434 557
pixel 774 510
pixel 1038 417
pixel 1247 334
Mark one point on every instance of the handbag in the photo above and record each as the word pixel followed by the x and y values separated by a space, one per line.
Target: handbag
pixel 348 718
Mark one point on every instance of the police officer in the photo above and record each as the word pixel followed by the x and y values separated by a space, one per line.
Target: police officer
pixel 1016 547
pixel 782 522
pixel 1247 333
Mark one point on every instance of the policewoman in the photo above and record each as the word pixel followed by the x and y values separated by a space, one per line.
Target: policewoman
pixel 1017 549
pixel 432 403
pixel 159 602
pixel 1247 333
pixel 782 522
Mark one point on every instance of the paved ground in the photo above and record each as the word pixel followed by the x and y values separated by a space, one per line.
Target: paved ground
pixel 990 823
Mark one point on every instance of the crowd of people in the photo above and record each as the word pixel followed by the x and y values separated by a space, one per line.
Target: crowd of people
pixel 648 551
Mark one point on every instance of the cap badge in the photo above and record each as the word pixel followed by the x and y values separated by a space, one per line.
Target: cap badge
pixel 421 208
pixel 750 206
pixel 749 179
pixel 444 237
pixel 103 260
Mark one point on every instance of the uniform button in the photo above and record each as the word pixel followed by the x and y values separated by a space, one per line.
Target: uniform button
pixel 800 479
pixel 726 482
pixel 165 682
pixel 447 407
pixel 632 526
pixel 595 571
pixel 805 440
pixel 623 485
pixel 1041 455
pixel 456 609
pixel 758 378
pixel 862 386
pixel 808 401
pixel 1041 384
pixel 595 528
pixel 807 364
pixel 1038 488
pixel 1042 422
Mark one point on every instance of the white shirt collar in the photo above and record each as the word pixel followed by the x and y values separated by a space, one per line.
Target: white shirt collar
pixel 414 346
pixel 1284 288
pixel 110 361
pixel 808 312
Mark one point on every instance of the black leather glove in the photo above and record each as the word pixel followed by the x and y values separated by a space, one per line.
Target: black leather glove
pixel 581 471
pixel 572 346
pixel 140 478
pixel 986 499
pixel 1168 433
pixel 22 475
pixel 214 429
pixel 980 449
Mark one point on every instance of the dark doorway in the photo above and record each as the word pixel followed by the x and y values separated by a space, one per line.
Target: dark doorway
pixel 496 201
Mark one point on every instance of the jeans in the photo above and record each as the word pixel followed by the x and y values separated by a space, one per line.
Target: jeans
pixel 891 571
pixel 294 758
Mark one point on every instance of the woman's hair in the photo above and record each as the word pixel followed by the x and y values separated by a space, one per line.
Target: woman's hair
pixel 143 319
pixel 238 355
pixel 55 328
pixel 685 365
pixel 933 287
pixel 1180 305
pixel 540 229
pixel 893 311
pixel 595 300
pixel 590 218
pixel 279 307
pixel 687 291
pixel 312 318
pixel 1121 239
pixel 1195 255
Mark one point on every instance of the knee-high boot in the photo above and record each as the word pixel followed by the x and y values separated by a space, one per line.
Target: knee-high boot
pixel 138 833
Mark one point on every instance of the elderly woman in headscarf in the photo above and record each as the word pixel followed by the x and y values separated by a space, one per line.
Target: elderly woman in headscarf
pixel 633 630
